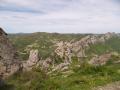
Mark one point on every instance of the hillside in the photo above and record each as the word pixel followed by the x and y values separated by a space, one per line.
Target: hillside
pixel 42 41
pixel 53 61
pixel 45 42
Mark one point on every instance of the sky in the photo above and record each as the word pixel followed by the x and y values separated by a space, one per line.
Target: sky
pixel 62 16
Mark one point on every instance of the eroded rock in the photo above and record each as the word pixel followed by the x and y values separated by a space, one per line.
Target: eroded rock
pixel 67 50
pixel 45 64
pixel 32 61
pixel 9 59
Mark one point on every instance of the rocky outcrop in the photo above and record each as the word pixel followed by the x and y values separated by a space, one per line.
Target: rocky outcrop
pixel 100 60
pixel 32 61
pixel 67 50
pixel 9 60
pixel 64 50
pixel 45 64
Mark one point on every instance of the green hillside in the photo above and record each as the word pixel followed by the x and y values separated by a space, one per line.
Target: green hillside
pixel 85 77
pixel 44 41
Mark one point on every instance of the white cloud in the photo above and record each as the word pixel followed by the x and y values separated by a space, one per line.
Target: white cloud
pixel 62 16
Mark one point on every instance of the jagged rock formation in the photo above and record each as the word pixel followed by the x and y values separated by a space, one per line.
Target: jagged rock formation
pixel 64 51
pixel 35 61
pixel 9 60
pixel 46 64
pixel 32 61
pixel 68 49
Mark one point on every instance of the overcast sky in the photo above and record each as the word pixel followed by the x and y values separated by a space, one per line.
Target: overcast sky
pixel 64 16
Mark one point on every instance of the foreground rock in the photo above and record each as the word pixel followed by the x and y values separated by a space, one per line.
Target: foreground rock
pixel 9 60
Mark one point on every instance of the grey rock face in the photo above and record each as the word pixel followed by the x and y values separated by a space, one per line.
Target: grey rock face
pixel 32 61
pixel 9 60
pixel 46 64
pixel 64 51
pixel 67 49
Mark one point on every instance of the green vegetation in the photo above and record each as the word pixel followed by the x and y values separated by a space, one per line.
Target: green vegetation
pixel 84 77
pixel 114 43
pixel 45 42
pixel 110 45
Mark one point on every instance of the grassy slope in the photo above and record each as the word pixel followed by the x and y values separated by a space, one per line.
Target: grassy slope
pixel 84 78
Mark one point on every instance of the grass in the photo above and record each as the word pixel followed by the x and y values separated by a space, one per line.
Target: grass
pixel 85 77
